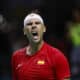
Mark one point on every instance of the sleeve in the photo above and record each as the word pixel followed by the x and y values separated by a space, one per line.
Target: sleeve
pixel 13 68
pixel 62 66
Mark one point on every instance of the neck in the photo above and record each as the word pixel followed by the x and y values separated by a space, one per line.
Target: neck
pixel 33 48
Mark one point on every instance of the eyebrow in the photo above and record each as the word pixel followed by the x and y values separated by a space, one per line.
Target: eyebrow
pixel 36 22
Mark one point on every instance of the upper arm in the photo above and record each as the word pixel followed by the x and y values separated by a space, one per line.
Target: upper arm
pixel 62 67
pixel 13 68
pixel 67 79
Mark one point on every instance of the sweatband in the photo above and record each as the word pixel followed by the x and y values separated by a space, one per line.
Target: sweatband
pixel 33 16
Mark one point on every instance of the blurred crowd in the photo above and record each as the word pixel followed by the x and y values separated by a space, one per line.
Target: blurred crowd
pixel 73 37
pixel 11 39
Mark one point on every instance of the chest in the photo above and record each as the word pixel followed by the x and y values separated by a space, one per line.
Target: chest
pixel 36 67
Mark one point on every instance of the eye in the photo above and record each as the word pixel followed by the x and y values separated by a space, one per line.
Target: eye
pixel 37 22
pixel 28 24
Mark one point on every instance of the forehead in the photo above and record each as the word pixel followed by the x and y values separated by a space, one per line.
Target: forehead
pixel 33 20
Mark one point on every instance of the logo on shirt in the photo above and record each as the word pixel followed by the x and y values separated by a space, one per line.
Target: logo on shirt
pixel 18 66
pixel 41 62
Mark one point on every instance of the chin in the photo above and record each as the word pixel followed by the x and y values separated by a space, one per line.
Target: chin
pixel 36 41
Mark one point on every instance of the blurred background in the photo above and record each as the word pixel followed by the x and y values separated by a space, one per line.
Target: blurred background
pixel 62 18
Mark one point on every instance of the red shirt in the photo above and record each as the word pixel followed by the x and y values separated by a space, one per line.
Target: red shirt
pixel 46 64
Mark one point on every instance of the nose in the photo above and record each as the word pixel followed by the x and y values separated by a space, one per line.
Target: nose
pixel 33 27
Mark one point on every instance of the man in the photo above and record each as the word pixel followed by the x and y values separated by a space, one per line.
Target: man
pixel 73 37
pixel 38 60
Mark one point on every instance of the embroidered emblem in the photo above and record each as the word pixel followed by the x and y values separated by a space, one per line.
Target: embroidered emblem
pixel 41 62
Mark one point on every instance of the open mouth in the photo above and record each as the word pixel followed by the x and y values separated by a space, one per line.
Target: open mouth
pixel 34 33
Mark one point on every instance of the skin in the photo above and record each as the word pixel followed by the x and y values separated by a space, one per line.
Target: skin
pixel 35 42
pixel 67 79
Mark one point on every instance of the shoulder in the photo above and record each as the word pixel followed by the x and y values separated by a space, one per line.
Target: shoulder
pixel 55 52
pixel 18 52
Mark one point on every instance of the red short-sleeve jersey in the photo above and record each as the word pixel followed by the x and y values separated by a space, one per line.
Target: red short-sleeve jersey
pixel 46 64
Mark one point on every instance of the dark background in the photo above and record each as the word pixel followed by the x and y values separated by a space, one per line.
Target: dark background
pixel 55 14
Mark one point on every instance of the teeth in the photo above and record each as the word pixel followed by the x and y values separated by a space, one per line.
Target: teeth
pixel 34 33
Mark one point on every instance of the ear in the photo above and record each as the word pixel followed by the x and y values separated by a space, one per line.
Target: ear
pixel 24 31
pixel 44 30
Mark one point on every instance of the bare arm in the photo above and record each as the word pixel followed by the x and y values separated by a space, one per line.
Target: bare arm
pixel 67 79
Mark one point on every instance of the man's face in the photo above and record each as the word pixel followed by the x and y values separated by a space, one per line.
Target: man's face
pixel 34 30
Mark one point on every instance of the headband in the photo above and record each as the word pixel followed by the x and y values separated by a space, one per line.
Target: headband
pixel 32 16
